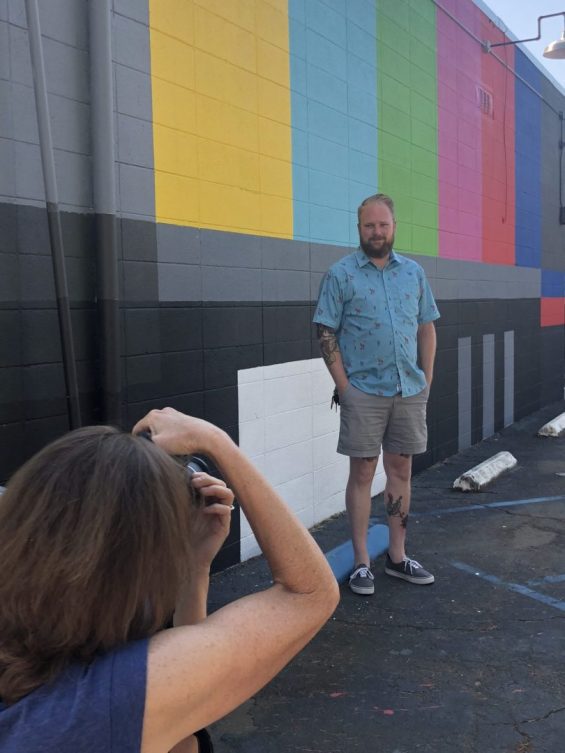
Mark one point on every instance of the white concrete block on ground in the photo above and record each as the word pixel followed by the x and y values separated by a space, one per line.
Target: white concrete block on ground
pixel 478 477
pixel 554 427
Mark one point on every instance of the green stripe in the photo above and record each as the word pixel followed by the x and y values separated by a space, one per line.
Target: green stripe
pixel 408 121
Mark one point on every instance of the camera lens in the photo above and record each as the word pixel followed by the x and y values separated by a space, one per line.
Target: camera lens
pixel 196 464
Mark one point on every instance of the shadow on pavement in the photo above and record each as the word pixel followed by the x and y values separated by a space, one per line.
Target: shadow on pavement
pixel 472 664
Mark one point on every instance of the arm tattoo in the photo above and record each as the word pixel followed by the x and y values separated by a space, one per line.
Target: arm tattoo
pixel 328 343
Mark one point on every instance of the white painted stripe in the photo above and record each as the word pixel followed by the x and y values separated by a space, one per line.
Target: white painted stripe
pixel 508 377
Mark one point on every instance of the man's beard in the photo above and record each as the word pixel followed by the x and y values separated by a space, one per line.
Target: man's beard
pixel 377 253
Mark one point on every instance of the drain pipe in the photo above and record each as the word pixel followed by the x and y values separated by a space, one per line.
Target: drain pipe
pixel 104 192
pixel 53 214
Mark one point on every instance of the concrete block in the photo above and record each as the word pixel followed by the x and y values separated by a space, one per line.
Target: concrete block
pixel 7 168
pixel 24 115
pixel 180 282
pixel 135 141
pixel 65 21
pixel 553 428
pixel 70 122
pixel 4 51
pixel 36 279
pixel 131 43
pixel 285 285
pixel 20 60
pixel 8 228
pixel 226 249
pixel 133 93
pixel 29 171
pixel 231 284
pixel 8 278
pixel 133 9
pixel 279 253
pixel 66 69
pixel 141 283
pixel 137 190
pixel 482 474
pixel 139 240
pixel 178 244
pixel 325 54
pixel 6 114
pixel 74 179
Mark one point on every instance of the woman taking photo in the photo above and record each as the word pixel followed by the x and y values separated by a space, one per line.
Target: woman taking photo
pixel 100 541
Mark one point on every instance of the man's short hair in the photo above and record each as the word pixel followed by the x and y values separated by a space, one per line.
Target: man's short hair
pixel 377 198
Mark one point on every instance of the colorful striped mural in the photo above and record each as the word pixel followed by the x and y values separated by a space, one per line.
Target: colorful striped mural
pixel 277 118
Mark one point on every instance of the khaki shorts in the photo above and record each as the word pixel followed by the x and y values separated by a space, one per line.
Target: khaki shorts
pixel 396 423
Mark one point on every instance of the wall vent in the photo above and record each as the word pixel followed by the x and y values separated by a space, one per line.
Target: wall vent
pixel 485 101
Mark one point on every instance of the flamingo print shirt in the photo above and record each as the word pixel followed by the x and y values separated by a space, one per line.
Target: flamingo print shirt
pixel 375 314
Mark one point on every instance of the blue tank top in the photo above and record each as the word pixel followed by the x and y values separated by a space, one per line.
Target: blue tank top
pixel 94 708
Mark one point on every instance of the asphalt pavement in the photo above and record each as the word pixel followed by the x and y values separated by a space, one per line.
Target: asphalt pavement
pixel 474 663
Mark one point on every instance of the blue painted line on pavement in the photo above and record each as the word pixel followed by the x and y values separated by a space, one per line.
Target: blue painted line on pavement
pixel 483 506
pixel 515 587
pixel 341 558
pixel 547 579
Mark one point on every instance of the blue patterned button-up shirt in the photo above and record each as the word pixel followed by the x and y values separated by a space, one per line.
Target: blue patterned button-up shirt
pixel 376 314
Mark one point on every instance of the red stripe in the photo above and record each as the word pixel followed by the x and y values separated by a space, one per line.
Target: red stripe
pixel 552 311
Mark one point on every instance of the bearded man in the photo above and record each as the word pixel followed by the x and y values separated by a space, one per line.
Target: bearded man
pixel 375 320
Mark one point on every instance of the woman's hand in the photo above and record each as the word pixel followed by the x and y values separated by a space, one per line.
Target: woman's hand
pixel 211 522
pixel 179 434
pixel 211 525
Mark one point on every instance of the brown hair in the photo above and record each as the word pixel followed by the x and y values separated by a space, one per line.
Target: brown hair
pixel 94 540
pixel 377 198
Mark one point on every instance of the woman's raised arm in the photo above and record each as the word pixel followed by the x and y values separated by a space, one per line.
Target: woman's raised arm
pixel 198 673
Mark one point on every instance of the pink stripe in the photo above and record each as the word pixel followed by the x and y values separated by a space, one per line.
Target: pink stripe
pixel 459 134
pixel 498 157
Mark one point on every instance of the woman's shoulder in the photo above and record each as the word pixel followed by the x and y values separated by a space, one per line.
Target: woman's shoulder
pixel 87 707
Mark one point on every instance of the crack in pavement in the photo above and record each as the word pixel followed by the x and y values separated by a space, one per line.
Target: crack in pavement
pixel 542 718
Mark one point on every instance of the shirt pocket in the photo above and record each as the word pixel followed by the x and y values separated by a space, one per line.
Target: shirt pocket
pixel 407 298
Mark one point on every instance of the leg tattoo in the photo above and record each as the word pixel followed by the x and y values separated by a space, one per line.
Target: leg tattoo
pixel 394 510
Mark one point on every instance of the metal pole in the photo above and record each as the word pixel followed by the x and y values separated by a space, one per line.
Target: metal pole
pixel 104 192
pixel 53 214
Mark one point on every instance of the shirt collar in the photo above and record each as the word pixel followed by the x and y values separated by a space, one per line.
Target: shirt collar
pixel 363 259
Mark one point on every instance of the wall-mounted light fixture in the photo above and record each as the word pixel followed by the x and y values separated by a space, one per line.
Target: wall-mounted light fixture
pixel 555 50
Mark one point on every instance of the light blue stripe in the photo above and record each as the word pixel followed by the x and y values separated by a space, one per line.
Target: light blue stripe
pixel 548 579
pixel 299 118
pixel 514 587
pixel 341 558
pixel 333 80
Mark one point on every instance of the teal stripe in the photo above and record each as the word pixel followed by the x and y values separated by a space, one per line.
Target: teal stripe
pixel 333 80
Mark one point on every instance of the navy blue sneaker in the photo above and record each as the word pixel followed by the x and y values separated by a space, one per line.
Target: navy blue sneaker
pixel 361 580
pixel 409 570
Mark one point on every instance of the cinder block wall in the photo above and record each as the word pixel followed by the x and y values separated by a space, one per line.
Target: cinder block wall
pixel 246 134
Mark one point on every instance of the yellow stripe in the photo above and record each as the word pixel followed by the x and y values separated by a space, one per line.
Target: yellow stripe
pixel 221 114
